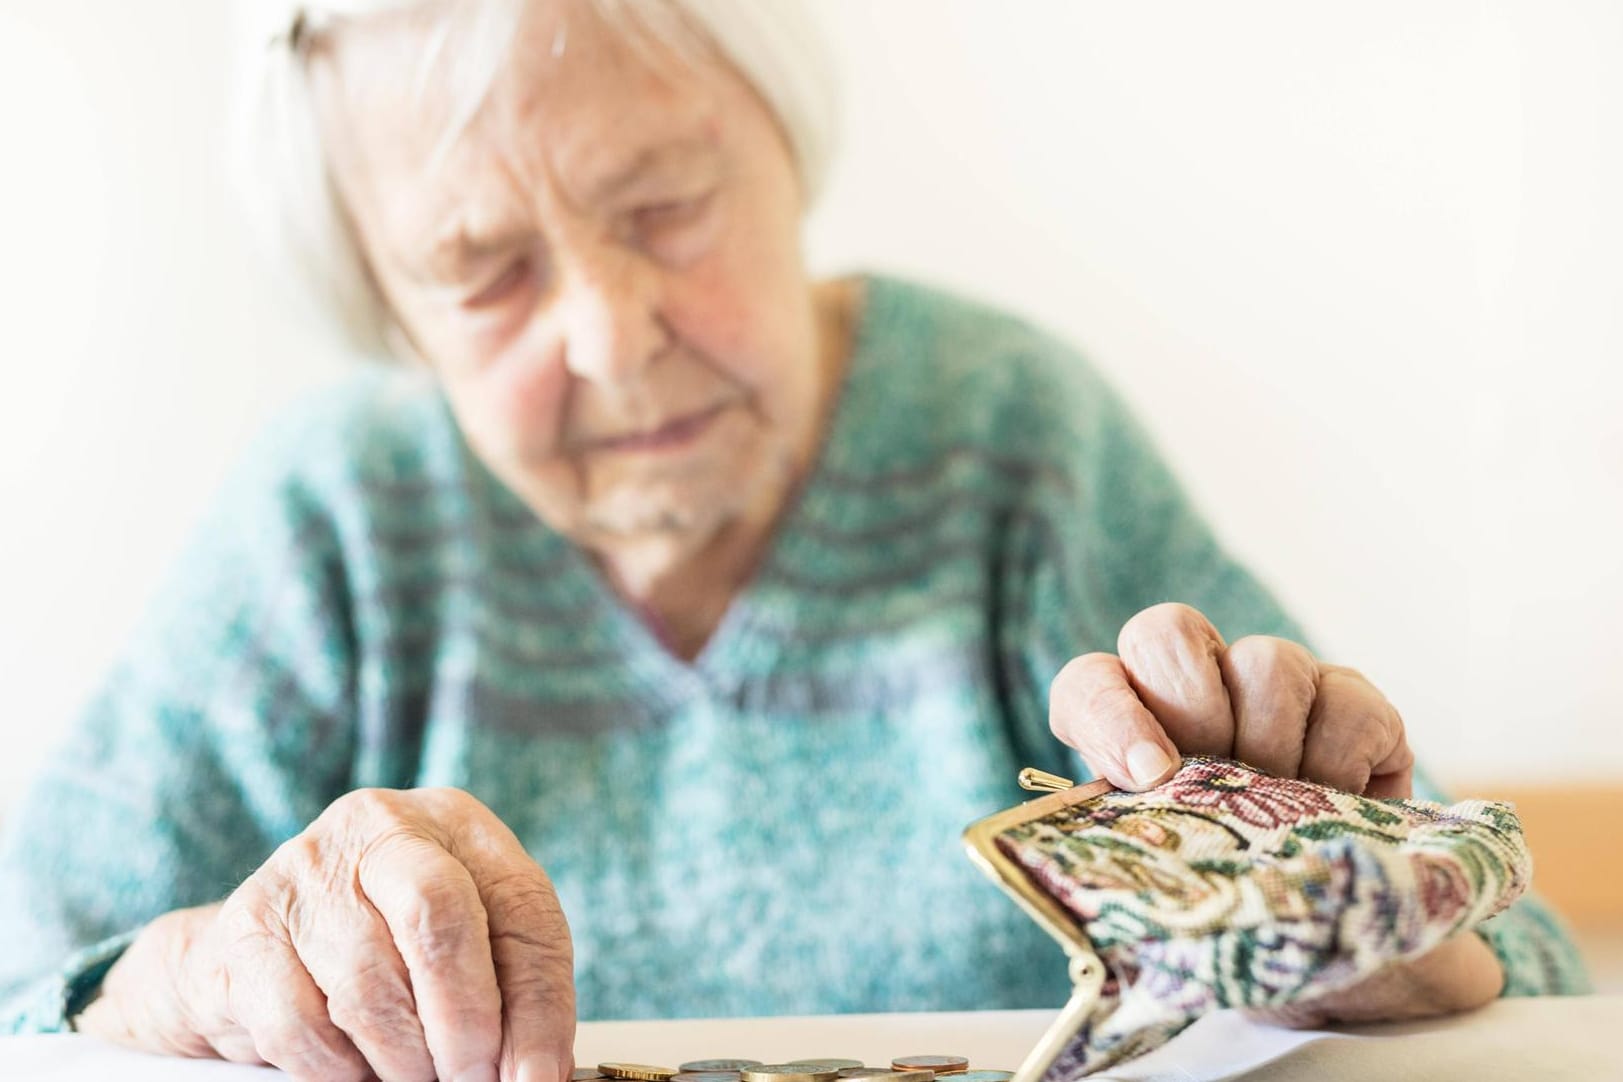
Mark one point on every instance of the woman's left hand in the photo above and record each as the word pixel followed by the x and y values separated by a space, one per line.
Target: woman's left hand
pixel 1174 687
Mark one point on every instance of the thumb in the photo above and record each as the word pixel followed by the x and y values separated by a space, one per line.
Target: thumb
pixel 1092 707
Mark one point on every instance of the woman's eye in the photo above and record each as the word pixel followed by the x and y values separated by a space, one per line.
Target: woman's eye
pixel 656 218
pixel 504 285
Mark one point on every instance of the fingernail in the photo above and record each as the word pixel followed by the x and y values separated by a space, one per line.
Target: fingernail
pixel 484 1073
pixel 1146 762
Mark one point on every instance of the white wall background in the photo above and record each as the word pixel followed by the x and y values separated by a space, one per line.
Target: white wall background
pixel 1357 264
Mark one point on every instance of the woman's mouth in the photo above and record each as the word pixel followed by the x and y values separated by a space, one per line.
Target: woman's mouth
pixel 671 435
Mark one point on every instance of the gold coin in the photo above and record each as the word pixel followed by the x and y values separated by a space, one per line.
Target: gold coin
pixel 938 1064
pixel 734 1065
pixel 638 1072
pixel 831 1064
pixel 790 1072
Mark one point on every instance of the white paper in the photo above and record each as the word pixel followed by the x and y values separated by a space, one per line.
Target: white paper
pixel 1551 1039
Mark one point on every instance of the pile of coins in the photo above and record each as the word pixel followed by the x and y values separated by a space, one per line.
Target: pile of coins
pixel 901 1069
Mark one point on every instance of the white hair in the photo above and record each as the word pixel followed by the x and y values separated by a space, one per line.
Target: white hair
pixel 282 170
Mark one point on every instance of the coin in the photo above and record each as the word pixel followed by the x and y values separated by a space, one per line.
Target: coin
pixel 638 1072
pixel 585 1074
pixel 938 1064
pixel 886 1074
pixel 720 1064
pixel 705 1076
pixel 790 1072
pixel 831 1064
pixel 983 1076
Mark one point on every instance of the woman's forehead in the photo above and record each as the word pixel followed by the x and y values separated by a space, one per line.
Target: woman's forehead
pixel 575 102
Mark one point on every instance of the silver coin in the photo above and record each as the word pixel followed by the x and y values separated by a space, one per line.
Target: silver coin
pixel 705 1076
pixel 720 1064
pixel 790 1072
pixel 982 1076
pixel 831 1064
pixel 887 1074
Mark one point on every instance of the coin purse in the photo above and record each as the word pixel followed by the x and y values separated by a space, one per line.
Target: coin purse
pixel 1227 887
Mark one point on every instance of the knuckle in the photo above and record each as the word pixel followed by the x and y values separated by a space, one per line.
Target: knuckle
pixel 443 918
pixel 449 805
pixel 1111 701
pixel 449 795
pixel 375 1005
pixel 363 811
pixel 1169 618
pixel 301 1049
pixel 1076 675
pixel 1269 650
pixel 1279 666
pixel 1091 707
pixel 250 919
pixel 531 910
pixel 533 990
pixel 1345 672
pixel 1394 721
pixel 301 856
pixel 1174 643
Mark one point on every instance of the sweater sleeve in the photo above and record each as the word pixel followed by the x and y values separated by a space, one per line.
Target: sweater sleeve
pixel 222 731
pixel 1108 531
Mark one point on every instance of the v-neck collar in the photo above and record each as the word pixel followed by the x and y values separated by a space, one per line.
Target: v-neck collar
pixel 754 628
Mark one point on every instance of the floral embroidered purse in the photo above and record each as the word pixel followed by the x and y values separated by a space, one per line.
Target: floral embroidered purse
pixel 1226 887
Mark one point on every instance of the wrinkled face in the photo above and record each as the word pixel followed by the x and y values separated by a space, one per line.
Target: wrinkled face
pixel 604 270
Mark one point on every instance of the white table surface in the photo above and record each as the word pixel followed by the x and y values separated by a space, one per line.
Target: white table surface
pixel 1576 1038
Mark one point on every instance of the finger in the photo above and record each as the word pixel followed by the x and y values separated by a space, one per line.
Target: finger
pixel 350 954
pixel 1093 708
pixel 1170 653
pixel 1353 733
pixel 438 924
pixel 529 939
pixel 1394 775
pixel 274 998
pixel 1271 684
pixel 203 975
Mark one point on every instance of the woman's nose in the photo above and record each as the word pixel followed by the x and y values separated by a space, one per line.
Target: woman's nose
pixel 613 328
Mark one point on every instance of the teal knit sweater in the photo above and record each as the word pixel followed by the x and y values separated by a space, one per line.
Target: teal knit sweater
pixel 772 829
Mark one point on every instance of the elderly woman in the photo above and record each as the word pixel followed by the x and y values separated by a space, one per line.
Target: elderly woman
pixel 641 642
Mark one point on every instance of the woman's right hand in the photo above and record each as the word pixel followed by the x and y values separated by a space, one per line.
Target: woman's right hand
pixel 404 935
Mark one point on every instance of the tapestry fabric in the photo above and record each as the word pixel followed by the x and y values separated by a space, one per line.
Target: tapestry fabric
pixel 1227 887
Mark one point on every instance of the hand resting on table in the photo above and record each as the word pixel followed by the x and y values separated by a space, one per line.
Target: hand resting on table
pixel 404 935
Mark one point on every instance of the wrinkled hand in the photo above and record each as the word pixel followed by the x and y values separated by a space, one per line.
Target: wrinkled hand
pixel 403 935
pixel 1174 687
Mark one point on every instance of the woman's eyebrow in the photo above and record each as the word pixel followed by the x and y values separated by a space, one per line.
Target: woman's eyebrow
pixel 648 161
pixel 456 246
pixel 456 249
